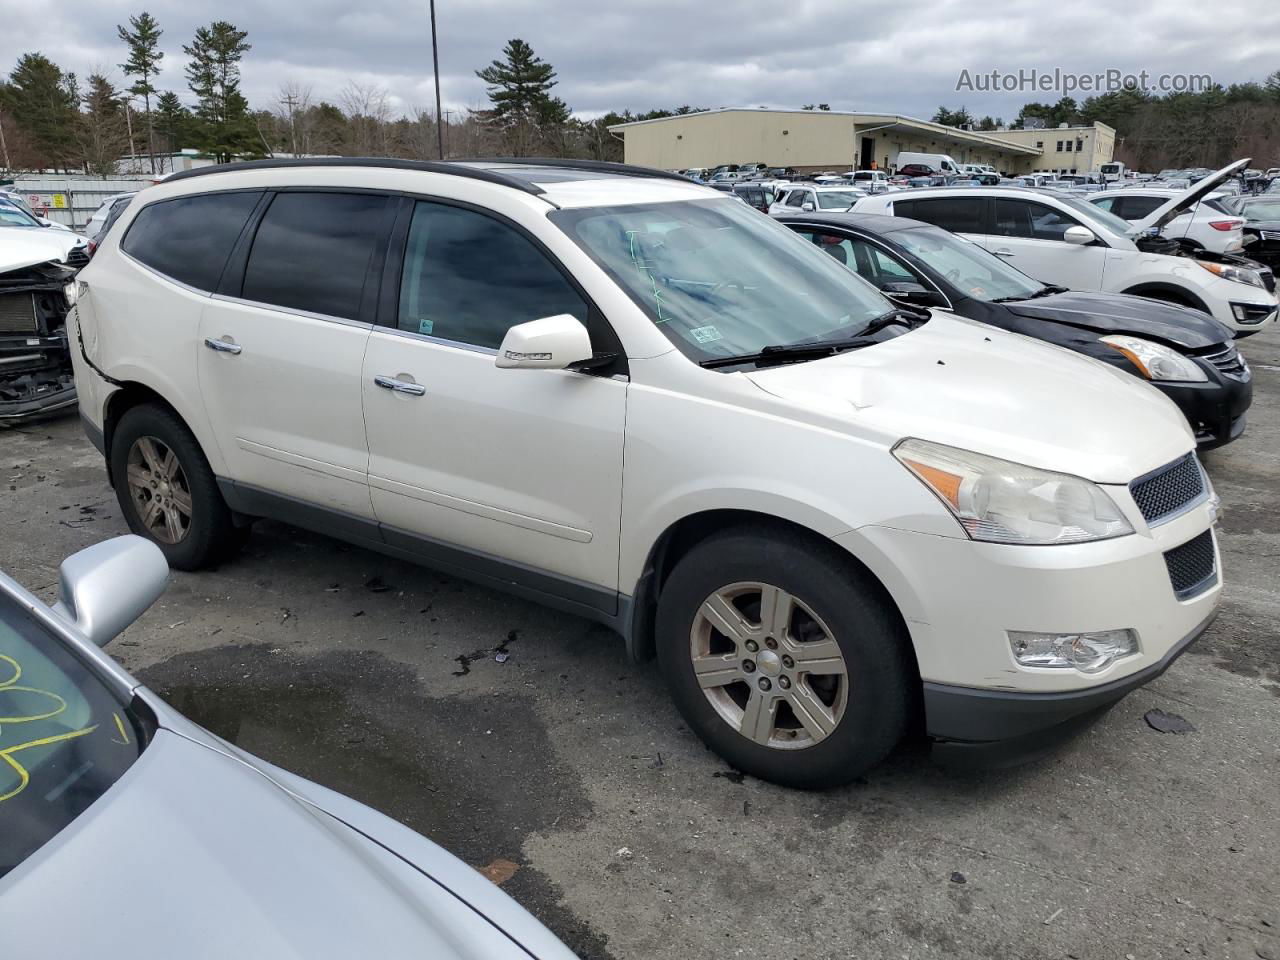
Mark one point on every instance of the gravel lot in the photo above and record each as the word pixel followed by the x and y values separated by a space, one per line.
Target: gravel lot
pixel 632 841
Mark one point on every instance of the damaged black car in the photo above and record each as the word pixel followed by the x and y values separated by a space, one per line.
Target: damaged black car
pixel 36 264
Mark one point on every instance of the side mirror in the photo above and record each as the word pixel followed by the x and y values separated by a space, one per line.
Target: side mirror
pixel 1078 235
pixel 104 588
pixel 915 293
pixel 551 343
pixel 807 206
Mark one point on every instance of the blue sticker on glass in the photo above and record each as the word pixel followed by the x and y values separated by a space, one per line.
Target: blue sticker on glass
pixel 425 326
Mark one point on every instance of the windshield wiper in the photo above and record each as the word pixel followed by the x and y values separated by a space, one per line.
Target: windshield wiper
pixel 816 349
pixel 1047 290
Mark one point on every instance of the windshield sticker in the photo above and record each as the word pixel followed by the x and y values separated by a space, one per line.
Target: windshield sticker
pixel 705 334
pixel 426 326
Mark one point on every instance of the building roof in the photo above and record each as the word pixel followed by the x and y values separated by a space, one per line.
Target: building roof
pixel 881 121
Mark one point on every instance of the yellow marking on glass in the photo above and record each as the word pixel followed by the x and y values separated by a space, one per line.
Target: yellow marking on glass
pixel 24 777
pixel 120 727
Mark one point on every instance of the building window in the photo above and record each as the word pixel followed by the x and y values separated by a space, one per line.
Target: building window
pixel 1039 144
pixel 1059 146
pixel 1079 145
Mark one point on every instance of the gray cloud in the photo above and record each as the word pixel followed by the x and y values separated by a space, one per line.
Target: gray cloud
pixel 881 57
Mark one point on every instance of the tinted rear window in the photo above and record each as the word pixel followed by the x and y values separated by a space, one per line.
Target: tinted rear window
pixel 312 252
pixel 957 214
pixel 189 239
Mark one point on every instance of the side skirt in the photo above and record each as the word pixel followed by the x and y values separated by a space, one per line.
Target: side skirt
pixel 563 593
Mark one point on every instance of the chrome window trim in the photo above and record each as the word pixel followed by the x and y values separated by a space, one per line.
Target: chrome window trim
pixel 291 311
pixel 440 341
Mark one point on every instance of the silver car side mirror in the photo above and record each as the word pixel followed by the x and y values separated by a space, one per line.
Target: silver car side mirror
pixel 104 588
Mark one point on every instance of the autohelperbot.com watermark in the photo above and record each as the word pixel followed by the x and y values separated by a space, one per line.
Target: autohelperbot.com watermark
pixel 1065 82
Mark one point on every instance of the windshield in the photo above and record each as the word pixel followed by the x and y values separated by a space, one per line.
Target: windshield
pixel 64 739
pixel 1091 211
pixel 837 199
pixel 973 270
pixel 1260 209
pixel 11 216
pixel 719 279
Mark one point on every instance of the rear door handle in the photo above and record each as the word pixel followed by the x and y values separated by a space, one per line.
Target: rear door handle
pixel 1003 252
pixel 222 346
pixel 400 386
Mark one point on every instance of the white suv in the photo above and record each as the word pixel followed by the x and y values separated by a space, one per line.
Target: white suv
pixel 1208 226
pixel 806 197
pixel 634 398
pixel 1073 243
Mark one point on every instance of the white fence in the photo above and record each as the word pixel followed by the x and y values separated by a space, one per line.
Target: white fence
pixel 72 200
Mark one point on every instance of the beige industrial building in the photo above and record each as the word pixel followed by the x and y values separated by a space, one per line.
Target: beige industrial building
pixel 813 140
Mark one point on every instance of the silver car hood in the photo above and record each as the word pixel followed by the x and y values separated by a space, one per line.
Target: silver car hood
pixel 1161 215
pixel 182 857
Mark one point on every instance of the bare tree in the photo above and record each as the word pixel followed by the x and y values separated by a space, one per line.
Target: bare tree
pixel 293 111
pixel 368 114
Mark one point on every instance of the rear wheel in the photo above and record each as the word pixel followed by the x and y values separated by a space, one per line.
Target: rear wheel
pixel 167 490
pixel 785 657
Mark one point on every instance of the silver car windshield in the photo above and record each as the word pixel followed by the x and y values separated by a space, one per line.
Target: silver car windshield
pixel 64 739
pixel 720 279
pixel 980 274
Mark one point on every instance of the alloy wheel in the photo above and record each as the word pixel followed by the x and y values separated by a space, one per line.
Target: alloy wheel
pixel 159 490
pixel 769 665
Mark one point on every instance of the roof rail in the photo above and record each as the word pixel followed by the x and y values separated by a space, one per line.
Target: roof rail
pixel 426 166
pixel 590 166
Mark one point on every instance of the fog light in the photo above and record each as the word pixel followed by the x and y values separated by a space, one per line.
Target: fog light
pixel 1086 652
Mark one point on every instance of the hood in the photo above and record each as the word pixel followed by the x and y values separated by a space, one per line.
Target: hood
pixel 970 385
pixel 1120 313
pixel 26 246
pixel 196 849
pixel 1185 201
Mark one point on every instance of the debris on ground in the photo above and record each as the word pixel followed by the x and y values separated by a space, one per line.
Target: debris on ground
pixel 500 871
pixel 1168 722
pixel 501 657
pixel 624 853
pixel 1054 916
pixel 958 877
pixel 376 585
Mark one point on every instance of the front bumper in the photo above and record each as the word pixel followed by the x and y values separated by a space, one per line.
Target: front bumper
pixel 1215 409
pixel 993 728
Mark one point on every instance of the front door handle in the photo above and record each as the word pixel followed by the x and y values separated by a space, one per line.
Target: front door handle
pixel 400 386
pixel 1003 252
pixel 222 346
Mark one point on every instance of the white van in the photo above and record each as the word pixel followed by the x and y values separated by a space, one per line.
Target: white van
pixel 938 161
pixel 1111 172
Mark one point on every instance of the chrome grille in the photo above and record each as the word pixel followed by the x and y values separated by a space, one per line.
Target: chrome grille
pixel 1228 362
pixel 1192 568
pixel 1269 234
pixel 18 313
pixel 1169 490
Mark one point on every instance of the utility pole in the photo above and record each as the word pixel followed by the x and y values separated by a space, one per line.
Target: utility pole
pixel 290 100
pixel 128 122
pixel 435 62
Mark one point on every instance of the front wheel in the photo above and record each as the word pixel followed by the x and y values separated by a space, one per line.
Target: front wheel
pixel 785 658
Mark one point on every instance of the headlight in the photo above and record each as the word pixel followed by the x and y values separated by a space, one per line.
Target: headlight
pixel 72 292
pixel 1157 362
pixel 1003 502
pixel 1227 272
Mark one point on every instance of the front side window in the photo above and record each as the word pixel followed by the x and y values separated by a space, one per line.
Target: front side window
pixel 1030 220
pixel 720 280
pixel 312 252
pixel 469 278
pixel 796 198
pixel 957 214
pixel 969 267
pixel 190 238
pixel 64 739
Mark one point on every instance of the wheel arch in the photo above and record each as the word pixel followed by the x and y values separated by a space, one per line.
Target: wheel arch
pixel 131 394
pixel 1169 293
pixel 687 532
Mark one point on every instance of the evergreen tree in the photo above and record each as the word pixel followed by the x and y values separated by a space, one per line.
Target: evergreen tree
pixel 225 127
pixel 102 129
pixel 143 64
pixel 173 122
pixel 520 88
pixel 43 101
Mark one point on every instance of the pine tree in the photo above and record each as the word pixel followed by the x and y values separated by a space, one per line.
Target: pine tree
pixel 43 102
pixel 143 64
pixel 226 128
pixel 520 88
pixel 101 130
pixel 172 123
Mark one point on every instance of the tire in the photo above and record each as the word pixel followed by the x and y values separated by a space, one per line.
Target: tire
pixel 190 522
pixel 861 715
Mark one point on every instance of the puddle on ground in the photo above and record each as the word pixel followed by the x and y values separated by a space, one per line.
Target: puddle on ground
pixel 474 774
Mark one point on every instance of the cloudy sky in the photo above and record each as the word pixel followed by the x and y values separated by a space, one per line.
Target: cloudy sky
pixel 884 57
